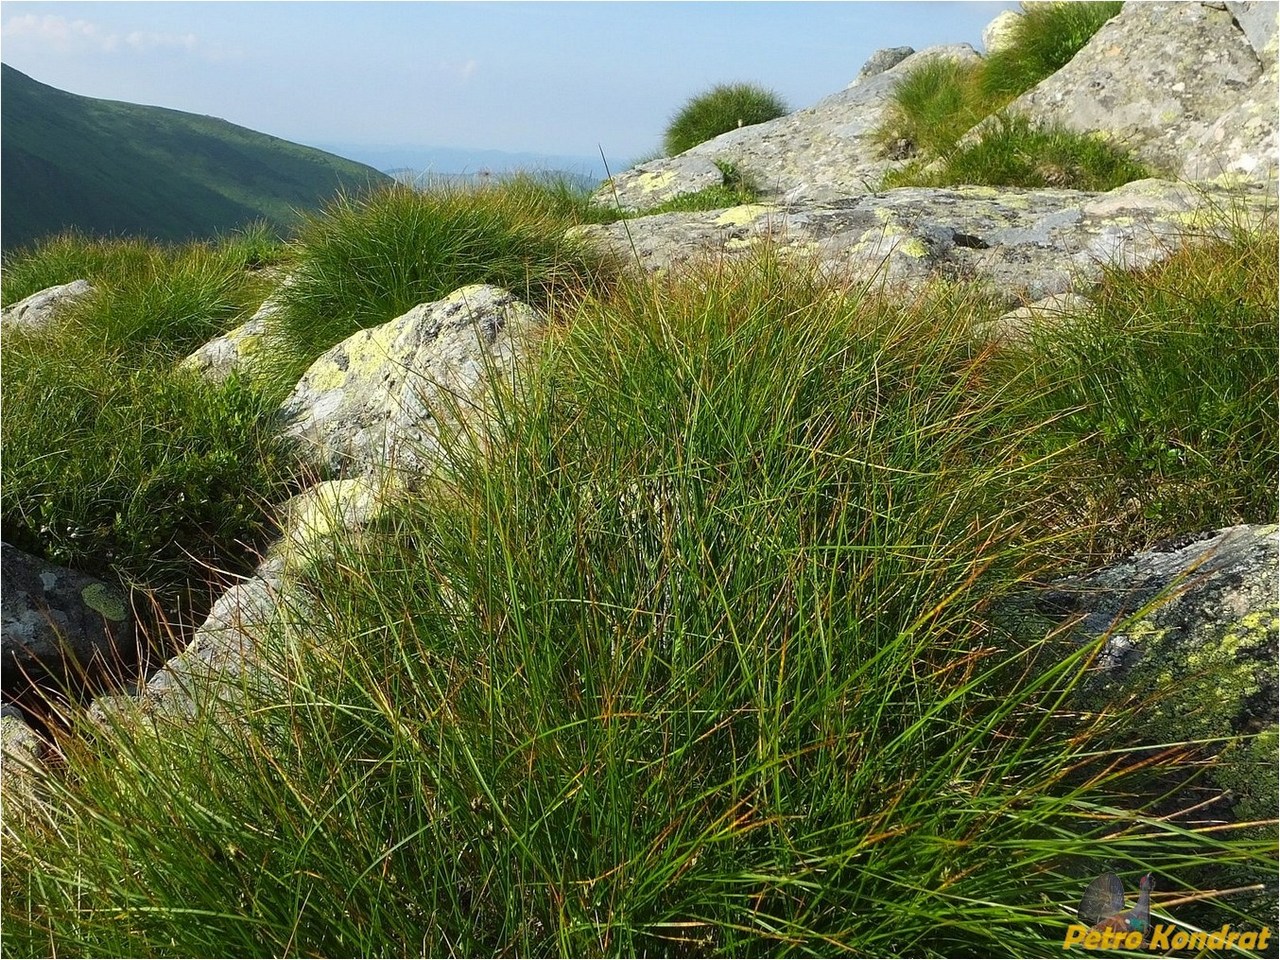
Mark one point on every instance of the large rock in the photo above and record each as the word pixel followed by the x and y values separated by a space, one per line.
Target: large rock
pixel 825 152
pixel 233 351
pixel 1242 143
pixel 56 622
pixel 41 308
pixel 1030 243
pixel 1258 20
pixel 384 396
pixel 1154 79
pixel 1197 617
pixel 883 59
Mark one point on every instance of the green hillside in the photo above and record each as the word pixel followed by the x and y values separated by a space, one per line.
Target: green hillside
pixel 106 167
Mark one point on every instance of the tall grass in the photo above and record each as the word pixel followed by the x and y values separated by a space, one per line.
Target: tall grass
pixel 703 655
pixel 366 260
pixel 1168 389
pixel 934 105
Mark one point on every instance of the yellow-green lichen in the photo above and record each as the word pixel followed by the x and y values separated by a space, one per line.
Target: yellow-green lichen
pixel 743 215
pixel 653 180
pixel 740 243
pixel 104 600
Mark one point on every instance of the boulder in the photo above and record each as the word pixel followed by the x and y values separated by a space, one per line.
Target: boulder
pixel 1242 143
pixel 383 396
pixel 1259 22
pixel 1017 324
pixel 1154 79
pixel 1197 616
pixel 1030 244
pixel 825 152
pixel 221 356
pixel 880 61
pixel 56 622
pixel 22 754
pixel 41 308
pixel 998 34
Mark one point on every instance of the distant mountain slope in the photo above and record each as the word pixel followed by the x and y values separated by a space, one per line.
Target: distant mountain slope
pixel 107 167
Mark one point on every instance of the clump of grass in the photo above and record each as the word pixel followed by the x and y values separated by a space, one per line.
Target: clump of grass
pixel 723 108
pixel 367 259
pixel 1045 39
pixel 1014 153
pixel 699 656
pixel 71 256
pixel 1169 388
pixel 256 246
pixel 933 107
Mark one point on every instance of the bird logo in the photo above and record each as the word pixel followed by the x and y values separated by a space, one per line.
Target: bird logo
pixel 1103 906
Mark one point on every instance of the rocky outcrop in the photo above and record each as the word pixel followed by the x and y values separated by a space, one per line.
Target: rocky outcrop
pixel 1154 79
pixel 1198 617
pixel 231 352
pixel 880 61
pixel 1259 20
pixel 1242 143
pixel 40 309
pixel 384 397
pixel 57 622
pixel 825 152
pixel 1030 243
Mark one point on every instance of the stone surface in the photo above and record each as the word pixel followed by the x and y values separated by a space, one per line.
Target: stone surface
pixel 1242 143
pixel 880 61
pixel 1200 614
pixel 217 359
pixel 54 621
pixel 22 754
pixel 1030 243
pixel 39 310
pixel 1153 79
pixel 824 152
pixel 382 397
pixel 1016 324
pixel 998 34
pixel 1259 20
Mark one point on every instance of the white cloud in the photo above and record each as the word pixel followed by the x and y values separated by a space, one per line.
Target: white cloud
pixel 461 71
pixel 61 35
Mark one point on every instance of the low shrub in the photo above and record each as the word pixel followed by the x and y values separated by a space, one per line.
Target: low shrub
pixel 723 108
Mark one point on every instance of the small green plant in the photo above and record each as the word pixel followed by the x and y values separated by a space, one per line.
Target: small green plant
pixel 1044 40
pixel 723 108
pixel 1014 153
pixel 367 259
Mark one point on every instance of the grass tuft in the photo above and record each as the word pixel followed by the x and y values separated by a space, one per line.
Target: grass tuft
pixel 723 108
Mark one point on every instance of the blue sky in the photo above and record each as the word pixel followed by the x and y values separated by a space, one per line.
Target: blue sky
pixel 553 78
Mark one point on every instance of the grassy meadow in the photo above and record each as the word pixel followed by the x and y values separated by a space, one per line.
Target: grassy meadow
pixel 707 652
pixel 714 647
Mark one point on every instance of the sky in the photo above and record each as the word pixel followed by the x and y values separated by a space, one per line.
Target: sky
pixel 564 79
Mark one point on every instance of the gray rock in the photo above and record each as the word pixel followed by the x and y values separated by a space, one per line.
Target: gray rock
pixel 998 34
pixel 22 755
pixel 825 152
pixel 217 359
pixel 1260 24
pixel 1242 143
pixel 880 61
pixel 1029 243
pixel 383 396
pixel 1200 613
pixel 40 309
pixel 1154 79
pixel 55 622
pixel 1016 324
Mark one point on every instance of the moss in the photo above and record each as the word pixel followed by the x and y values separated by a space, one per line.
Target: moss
pixel 104 600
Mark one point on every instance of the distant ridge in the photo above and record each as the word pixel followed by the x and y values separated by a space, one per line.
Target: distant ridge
pixel 105 167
